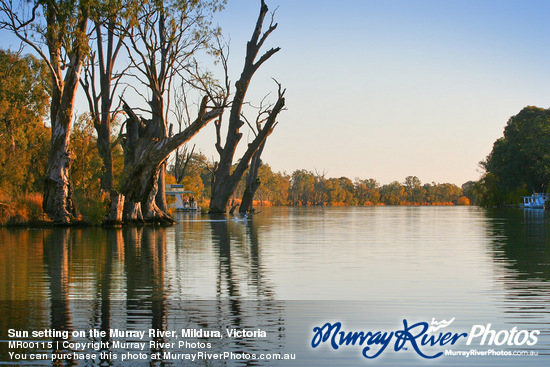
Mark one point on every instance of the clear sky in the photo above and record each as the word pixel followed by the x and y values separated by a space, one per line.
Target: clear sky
pixel 390 88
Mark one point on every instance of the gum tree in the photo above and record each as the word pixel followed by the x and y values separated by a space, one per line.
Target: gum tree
pixel 100 79
pixel 57 31
pixel 226 177
pixel 162 45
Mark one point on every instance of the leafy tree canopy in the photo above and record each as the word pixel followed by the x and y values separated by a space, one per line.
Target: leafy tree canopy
pixel 24 98
pixel 519 163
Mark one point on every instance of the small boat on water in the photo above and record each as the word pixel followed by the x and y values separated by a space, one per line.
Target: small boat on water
pixel 185 202
pixel 535 201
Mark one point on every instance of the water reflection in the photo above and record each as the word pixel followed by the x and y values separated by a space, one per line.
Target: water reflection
pixel 521 252
pixel 521 242
pixel 117 279
pixel 480 266
pixel 240 270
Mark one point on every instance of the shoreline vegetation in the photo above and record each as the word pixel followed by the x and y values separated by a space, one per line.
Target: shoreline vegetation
pixel 25 210
pixel 30 218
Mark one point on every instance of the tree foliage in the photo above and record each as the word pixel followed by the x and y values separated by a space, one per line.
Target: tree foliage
pixel 309 188
pixel 275 186
pixel 87 169
pixel 24 101
pixel 197 173
pixel 519 163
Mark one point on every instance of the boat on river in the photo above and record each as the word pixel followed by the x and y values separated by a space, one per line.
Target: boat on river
pixel 535 201
pixel 185 202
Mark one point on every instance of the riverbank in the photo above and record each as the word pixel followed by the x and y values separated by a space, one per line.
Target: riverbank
pixel 26 210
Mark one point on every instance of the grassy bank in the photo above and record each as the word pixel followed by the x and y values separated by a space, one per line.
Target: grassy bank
pixel 22 210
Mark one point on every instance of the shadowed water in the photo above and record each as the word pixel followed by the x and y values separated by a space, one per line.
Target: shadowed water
pixel 285 271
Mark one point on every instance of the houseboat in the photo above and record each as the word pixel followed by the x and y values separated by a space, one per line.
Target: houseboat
pixel 535 201
pixel 185 201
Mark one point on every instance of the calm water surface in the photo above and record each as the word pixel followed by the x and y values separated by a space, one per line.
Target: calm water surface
pixel 286 271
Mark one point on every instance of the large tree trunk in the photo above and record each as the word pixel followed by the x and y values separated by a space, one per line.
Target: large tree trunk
pixel 218 202
pixel 105 153
pixel 140 193
pixel 222 189
pixel 252 182
pixel 141 171
pixel 58 194
pixel 225 180
pixel 145 155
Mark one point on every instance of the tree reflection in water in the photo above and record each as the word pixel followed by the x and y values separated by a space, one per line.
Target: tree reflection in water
pixel 107 279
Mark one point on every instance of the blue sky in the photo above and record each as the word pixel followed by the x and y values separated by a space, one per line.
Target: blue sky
pixel 387 89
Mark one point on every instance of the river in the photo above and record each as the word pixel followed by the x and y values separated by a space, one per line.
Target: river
pixel 278 276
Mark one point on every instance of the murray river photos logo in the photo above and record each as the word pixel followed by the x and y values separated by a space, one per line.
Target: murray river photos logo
pixel 420 337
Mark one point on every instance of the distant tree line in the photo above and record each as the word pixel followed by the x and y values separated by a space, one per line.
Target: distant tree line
pixel 308 188
pixel 304 188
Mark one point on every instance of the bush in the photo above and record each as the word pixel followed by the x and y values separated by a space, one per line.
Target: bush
pixel 93 209
pixel 463 200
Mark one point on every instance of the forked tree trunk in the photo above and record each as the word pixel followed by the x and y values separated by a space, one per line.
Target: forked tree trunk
pixel 225 180
pixel 145 154
pixel 140 195
pixel 100 102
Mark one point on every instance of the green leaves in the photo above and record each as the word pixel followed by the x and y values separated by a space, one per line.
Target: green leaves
pixel 24 98
pixel 519 163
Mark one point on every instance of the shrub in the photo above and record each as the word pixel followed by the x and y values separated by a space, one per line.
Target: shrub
pixel 463 200
pixel 93 208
